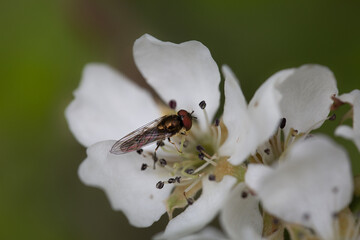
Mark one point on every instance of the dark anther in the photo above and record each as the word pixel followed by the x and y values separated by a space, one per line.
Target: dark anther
pixel 160 143
pixel 140 151
pixel 144 166
pixel 276 221
pixel 212 177
pixel 171 180
pixel 177 179
pixel 172 104
pixel 333 117
pixel 160 185
pixel 282 123
pixel 162 162
pixel 189 171
pixel 201 156
pixel 335 190
pixel 202 104
pixel 335 215
pixel 217 122
pixel 267 151
pixel 185 144
pixel 190 201
pixel 294 133
pixel 306 216
pixel 199 148
pixel 244 194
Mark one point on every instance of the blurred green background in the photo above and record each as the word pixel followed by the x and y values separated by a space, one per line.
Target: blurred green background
pixel 45 44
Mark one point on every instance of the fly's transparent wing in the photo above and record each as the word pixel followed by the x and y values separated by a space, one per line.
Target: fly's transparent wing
pixel 140 137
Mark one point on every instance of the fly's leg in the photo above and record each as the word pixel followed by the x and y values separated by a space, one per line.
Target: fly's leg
pixel 155 158
pixel 182 142
pixel 174 145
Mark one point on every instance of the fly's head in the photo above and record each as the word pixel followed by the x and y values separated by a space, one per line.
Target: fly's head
pixel 186 119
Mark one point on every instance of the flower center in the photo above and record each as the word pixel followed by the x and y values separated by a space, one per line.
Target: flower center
pixel 271 150
pixel 280 142
pixel 189 157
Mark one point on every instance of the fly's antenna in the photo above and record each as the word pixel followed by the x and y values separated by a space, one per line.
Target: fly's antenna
pixel 193 117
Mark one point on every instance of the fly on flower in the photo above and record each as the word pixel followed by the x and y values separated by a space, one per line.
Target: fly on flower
pixel 157 130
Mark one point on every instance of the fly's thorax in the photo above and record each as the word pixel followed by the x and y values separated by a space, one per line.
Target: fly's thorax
pixel 171 124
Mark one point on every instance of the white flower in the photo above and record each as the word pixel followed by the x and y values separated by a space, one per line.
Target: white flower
pixel 107 106
pixel 311 184
pixel 347 132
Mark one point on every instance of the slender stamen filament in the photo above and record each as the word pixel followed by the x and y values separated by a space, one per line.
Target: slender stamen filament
pixel 192 185
pixel 210 161
pixel 274 147
pixel 218 134
pixel 357 230
pixel 258 157
pixel 207 119
pixel 205 156
pixel 255 158
pixel 290 137
pixel 202 105
pixel 202 167
pixel 169 168
pixel 182 143
pixel 278 140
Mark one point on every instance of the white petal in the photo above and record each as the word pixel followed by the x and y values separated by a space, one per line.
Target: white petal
pixel 312 184
pixel 202 211
pixel 344 131
pixel 255 175
pixel 307 96
pixel 184 72
pixel 209 233
pixel 264 107
pixel 241 214
pixel 248 127
pixel 348 133
pixel 128 188
pixel 107 106
pixel 350 97
pixel 241 140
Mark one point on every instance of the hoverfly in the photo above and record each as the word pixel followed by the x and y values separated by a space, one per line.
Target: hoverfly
pixel 157 130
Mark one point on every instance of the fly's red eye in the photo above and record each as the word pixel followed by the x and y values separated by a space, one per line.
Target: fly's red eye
pixel 186 119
